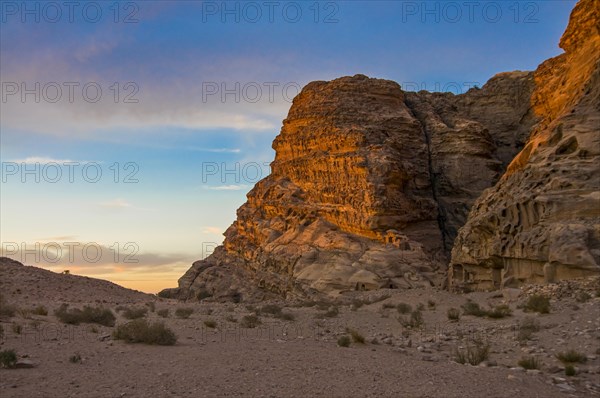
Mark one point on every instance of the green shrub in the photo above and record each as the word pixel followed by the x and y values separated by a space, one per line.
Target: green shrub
pixel 453 314
pixel 40 310
pixel 344 341
pixel 8 359
pixel 570 370
pixel 209 323
pixel 404 308
pixel 473 354
pixel 142 331
pixel 471 308
pixel 538 303
pixel 530 363
pixel 356 336
pixel 500 311
pixel 571 356
pixel 17 328
pixel 75 358
pixel 583 297
pixel 163 313
pixel 24 313
pixel 415 321
pixel 527 327
pixel 134 313
pixel 183 312
pixel 75 316
pixel 250 321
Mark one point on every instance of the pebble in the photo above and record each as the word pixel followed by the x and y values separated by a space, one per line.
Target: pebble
pixel 565 386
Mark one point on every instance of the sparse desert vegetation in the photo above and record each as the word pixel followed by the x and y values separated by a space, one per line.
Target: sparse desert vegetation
pixel 184 312
pixel 453 314
pixel 133 312
pixel 143 331
pixel 75 316
pixel 8 359
pixel 250 321
pixel 571 356
pixel 537 303
pixel 530 363
pixel 344 341
pixel 472 354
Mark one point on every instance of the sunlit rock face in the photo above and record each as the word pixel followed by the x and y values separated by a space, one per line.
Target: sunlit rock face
pixel 541 221
pixel 373 187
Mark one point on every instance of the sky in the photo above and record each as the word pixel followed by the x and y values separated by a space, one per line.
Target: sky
pixel 131 131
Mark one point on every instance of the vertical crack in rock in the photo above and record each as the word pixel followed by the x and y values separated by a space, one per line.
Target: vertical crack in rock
pixel 433 179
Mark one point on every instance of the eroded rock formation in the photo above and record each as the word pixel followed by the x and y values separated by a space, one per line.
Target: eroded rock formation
pixel 541 222
pixel 370 185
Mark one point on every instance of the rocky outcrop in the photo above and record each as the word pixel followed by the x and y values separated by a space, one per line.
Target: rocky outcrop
pixel 541 222
pixel 370 186
pixel 471 139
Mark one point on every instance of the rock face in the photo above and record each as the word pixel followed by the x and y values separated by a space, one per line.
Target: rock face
pixel 541 222
pixel 370 186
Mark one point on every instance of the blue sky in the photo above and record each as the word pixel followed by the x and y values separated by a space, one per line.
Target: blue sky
pixel 202 90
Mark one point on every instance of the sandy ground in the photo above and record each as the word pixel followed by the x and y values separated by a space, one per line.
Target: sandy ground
pixel 290 358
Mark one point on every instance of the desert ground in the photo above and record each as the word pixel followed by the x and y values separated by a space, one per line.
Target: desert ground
pixel 294 349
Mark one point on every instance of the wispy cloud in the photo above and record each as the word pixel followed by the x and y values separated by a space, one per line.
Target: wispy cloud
pixel 45 160
pixel 65 238
pixel 215 150
pixel 232 187
pixel 213 230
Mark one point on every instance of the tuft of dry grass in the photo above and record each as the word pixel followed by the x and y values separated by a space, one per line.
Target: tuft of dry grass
pixel 142 331
pixel 537 303
pixel 75 316
pixel 184 312
pixel 530 363
pixel 356 336
pixel 343 341
pixel 473 354
pixel 571 356
pixel 250 321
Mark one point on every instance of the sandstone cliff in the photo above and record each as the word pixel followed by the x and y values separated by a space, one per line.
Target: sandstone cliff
pixel 370 185
pixel 541 222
